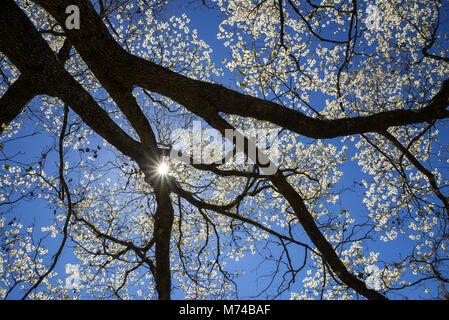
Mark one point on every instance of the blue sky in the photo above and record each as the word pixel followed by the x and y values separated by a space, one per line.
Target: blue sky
pixel 206 22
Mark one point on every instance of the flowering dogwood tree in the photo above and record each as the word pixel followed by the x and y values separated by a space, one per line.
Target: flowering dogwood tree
pixel 349 86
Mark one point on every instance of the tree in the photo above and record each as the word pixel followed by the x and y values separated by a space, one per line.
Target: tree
pixel 111 94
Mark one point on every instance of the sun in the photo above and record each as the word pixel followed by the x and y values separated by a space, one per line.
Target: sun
pixel 162 169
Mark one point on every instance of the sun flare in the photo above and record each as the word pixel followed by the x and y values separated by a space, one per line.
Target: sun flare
pixel 163 169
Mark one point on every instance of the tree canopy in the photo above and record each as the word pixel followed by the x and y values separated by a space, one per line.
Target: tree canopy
pixel 97 98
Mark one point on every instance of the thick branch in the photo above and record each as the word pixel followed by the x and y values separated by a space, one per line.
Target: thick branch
pixel 162 232
pixel 14 100
pixel 46 72
pixel 307 221
pixel 203 98
pixel 21 92
pixel 30 53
